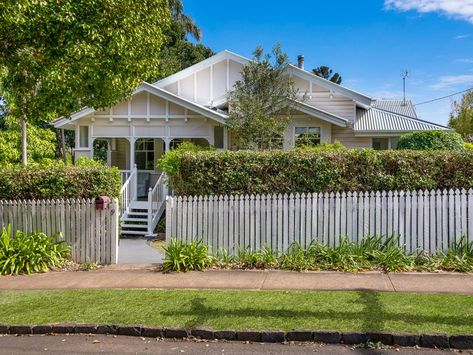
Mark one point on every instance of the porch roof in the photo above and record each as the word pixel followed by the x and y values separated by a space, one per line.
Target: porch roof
pixel 319 113
pixel 220 117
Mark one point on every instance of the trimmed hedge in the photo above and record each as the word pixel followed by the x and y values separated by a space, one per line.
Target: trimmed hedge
pixel 246 172
pixel 431 140
pixel 55 182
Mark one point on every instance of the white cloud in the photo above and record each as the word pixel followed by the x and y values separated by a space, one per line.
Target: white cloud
pixel 462 36
pixel 446 82
pixel 462 9
pixel 465 60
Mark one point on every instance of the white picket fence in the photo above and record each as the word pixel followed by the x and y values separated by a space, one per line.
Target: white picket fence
pixel 92 233
pixel 427 220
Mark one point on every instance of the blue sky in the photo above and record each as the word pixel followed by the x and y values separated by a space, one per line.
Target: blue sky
pixel 369 42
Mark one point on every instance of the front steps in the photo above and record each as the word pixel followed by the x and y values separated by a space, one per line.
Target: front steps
pixel 135 222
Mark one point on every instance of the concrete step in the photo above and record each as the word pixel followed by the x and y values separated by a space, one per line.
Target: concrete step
pixel 134 232
pixel 134 219
pixel 134 226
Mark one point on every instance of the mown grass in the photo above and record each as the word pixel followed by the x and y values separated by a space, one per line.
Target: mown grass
pixel 259 310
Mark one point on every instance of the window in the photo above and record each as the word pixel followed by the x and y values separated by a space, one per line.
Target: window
pixel 307 136
pixel 218 137
pixel 385 143
pixel 83 137
pixel 145 154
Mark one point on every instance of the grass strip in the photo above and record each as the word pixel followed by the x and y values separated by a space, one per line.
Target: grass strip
pixel 237 310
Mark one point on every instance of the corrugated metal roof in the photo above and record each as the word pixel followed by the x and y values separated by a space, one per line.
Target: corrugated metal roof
pixel 376 120
pixel 401 107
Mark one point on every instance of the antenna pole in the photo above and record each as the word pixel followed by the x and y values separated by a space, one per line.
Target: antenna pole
pixel 405 74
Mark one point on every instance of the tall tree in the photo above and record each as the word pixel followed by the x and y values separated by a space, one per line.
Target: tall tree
pixel 461 118
pixel 180 50
pixel 327 73
pixel 59 56
pixel 259 105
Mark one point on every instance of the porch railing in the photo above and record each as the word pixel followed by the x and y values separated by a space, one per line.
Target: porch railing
pixel 129 190
pixel 156 203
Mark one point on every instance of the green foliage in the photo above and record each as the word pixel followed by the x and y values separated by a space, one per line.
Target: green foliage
pixel 431 140
pixel 461 118
pixel 83 161
pixel 185 257
pixel 468 146
pixel 42 145
pixel 260 101
pixel 30 253
pixel 322 147
pixel 328 74
pixel 171 161
pixel 59 56
pixel 250 172
pixel 372 253
pixel 59 181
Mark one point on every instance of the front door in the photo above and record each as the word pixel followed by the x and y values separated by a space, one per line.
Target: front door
pixel 145 160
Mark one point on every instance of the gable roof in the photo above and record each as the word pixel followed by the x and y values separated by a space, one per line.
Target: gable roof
pixel 361 99
pixel 375 120
pixel 318 113
pixel 166 95
pixel 223 55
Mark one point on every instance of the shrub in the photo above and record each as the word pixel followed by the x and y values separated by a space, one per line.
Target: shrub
pixel 372 253
pixel 58 181
pixel 249 172
pixel 185 257
pixel 431 140
pixel 29 253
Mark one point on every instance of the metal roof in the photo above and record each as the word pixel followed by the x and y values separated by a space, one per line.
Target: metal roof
pixel 376 120
pixel 401 107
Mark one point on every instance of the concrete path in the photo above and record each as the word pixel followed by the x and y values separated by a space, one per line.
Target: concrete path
pixel 141 276
pixel 134 251
pixel 103 344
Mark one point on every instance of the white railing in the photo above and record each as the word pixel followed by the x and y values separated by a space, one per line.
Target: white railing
pixel 156 203
pixel 128 191
pixel 422 220
pixel 125 175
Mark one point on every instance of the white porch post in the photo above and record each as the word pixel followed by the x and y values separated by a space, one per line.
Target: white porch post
pixel 167 144
pixel 132 152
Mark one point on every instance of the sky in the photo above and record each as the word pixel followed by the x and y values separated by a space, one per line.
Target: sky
pixel 369 42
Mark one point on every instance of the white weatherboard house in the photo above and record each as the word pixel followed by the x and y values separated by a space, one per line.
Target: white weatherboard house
pixel 193 105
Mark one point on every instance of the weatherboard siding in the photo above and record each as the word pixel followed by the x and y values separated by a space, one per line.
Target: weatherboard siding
pixel 347 137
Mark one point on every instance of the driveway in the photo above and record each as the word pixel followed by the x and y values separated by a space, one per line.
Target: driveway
pixel 138 251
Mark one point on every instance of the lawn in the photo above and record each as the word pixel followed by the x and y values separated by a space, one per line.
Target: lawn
pixel 343 311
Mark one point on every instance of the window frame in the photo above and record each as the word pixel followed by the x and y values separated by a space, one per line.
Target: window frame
pixel 307 128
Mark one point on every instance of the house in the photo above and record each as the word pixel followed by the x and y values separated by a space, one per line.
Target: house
pixel 193 105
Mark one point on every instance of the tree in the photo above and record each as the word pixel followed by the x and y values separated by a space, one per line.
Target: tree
pixel 461 118
pixel 42 144
pixel 327 73
pixel 178 51
pixel 259 105
pixel 59 56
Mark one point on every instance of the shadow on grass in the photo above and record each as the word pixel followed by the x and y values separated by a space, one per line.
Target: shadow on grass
pixel 372 316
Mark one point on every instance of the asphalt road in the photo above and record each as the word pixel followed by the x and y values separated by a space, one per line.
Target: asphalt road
pixel 102 344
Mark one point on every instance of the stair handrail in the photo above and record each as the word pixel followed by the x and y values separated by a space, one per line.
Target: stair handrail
pixel 156 202
pixel 128 192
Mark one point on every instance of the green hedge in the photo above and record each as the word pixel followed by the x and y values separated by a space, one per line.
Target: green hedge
pixel 59 182
pixel 431 140
pixel 241 172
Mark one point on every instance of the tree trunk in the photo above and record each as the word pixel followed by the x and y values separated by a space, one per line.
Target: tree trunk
pixel 63 146
pixel 24 143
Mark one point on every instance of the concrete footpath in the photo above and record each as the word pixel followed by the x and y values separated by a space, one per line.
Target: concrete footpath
pixel 146 276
